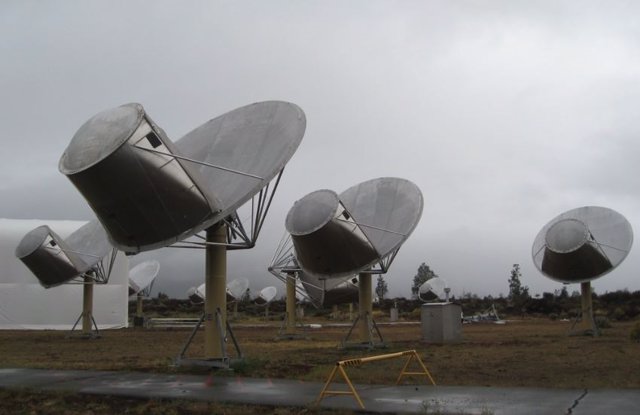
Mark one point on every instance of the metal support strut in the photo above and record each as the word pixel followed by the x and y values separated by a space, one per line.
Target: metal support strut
pixel 89 326
pixel 222 362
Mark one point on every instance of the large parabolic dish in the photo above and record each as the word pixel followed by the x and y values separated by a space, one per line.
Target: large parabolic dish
pixel 338 236
pixel 582 244
pixel 55 261
pixel 149 192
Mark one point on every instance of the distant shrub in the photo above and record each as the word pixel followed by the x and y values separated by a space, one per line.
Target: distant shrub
pixel 553 316
pixel 619 314
pixel 415 314
pixel 602 322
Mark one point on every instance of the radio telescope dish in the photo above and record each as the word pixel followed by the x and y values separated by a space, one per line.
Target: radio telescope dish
pixel 55 261
pixel 266 295
pixel 149 192
pixel 433 290
pixel 338 236
pixel 237 288
pixel 582 244
pixel 142 276
pixel 324 293
pixel 196 294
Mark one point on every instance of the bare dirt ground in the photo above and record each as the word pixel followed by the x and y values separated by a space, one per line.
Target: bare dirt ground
pixel 534 353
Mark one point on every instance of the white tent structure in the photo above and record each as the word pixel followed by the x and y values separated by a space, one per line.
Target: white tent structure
pixel 26 305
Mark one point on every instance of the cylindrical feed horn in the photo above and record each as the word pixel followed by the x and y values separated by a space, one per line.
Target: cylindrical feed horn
pixel 327 241
pixel 124 166
pixel 571 255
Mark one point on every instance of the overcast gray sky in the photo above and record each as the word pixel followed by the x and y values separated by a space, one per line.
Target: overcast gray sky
pixel 504 113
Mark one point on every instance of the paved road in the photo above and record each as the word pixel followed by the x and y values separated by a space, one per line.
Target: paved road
pixel 282 392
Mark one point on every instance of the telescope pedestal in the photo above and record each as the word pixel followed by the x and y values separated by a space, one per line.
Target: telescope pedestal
pixel 585 324
pixel 214 317
pixel 288 329
pixel 89 326
pixel 364 321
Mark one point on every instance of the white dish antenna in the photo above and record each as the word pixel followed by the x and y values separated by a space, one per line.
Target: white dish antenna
pixel 579 246
pixel 197 294
pixel 582 244
pixel 142 277
pixel 266 295
pixel 237 288
pixel 55 261
pixel 433 290
pixel 339 236
pixel 329 292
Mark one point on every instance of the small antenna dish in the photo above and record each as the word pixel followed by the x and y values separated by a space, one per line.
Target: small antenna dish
pixel 196 294
pixel 579 246
pixel 339 236
pixel 434 289
pixel 142 277
pixel 266 295
pixel 237 288
pixel 325 293
pixel 85 257
pixel 55 261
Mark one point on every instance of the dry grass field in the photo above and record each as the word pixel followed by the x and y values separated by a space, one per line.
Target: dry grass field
pixel 530 352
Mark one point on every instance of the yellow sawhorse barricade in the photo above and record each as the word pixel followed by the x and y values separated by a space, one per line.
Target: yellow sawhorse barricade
pixel 340 365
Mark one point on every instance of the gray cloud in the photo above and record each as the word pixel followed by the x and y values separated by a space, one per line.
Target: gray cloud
pixel 504 113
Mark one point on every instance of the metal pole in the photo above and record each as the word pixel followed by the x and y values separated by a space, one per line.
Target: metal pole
pixel 139 306
pixel 215 293
pixel 365 306
pixel 87 306
pixel 291 304
pixel 587 323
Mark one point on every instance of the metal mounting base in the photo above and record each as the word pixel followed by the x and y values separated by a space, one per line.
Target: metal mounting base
pixel 296 335
pixel 586 328
pixel 93 334
pixel 584 323
pixel 371 344
pixel 223 362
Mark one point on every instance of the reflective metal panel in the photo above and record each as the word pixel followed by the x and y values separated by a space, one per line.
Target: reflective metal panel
pixel 340 236
pixel 142 275
pixel 142 197
pixel 196 294
pixel 582 244
pixel 327 242
pixel 55 261
pixel 249 145
pixel 327 292
pixel 149 192
pixel 266 295
pixel 432 290
pixel 237 288
pixel 387 209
